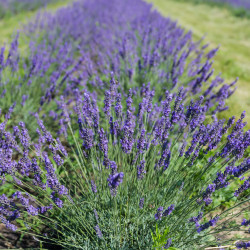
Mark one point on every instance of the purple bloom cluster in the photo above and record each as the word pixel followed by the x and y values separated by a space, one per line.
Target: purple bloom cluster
pixel 93 187
pixel 245 222
pixel 242 245
pixel 245 186
pixel 161 213
pixel 17 162
pixel 98 231
pixel 169 210
pixel 208 224
pixel 141 170
pixel 141 203
pixel 168 244
pixel 114 181
pixel 196 219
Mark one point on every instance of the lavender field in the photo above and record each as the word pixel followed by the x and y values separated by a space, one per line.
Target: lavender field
pixel 245 4
pixel 118 131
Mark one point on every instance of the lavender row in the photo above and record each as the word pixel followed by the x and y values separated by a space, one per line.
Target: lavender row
pixel 13 7
pixel 235 3
pixel 239 8
pixel 79 46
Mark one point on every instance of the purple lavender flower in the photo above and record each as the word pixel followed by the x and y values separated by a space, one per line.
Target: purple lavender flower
pixel 209 191
pixel 113 167
pixel 44 209
pixel 118 106
pixel 56 200
pixel 98 231
pixel 24 99
pixel 141 142
pixel 166 104
pixel 32 210
pixel 103 141
pixel 169 210
pixel 182 149
pixel 165 157
pixel 241 244
pixel 129 100
pixel 211 223
pixel 141 203
pixel 114 181
pixel 245 222
pixel 127 141
pixel 10 226
pixel 159 214
pixel 178 108
pixel 48 137
pixel 87 136
pixel 141 170
pixel 196 219
pixel 245 186
pixel 106 161
pixel 107 103
pixel 111 43
pixel 238 171
pixel 168 244
pixel 96 215
pixel 93 187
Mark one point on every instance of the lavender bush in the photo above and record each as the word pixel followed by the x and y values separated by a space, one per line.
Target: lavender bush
pixel 128 152
pixel 127 170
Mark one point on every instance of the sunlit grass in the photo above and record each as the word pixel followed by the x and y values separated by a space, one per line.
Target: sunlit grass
pixel 220 27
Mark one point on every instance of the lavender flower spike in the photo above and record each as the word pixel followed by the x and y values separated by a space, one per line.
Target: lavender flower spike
pixel 169 210
pixel 98 231
pixel 158 215
pixel 245 222
pixel 114 181
pixel 168 244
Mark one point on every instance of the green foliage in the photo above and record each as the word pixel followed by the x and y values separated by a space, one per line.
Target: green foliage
pixel 159 239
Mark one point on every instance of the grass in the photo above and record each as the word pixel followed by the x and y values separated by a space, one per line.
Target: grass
pixel 220 27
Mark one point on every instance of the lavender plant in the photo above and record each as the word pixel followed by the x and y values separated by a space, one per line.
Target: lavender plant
pixel 126 173
pixel 136 165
